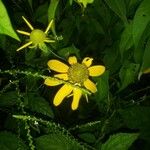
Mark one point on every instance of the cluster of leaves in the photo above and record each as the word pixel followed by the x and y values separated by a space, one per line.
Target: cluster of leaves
pixel 114 32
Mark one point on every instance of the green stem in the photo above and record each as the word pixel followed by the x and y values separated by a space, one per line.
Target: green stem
pixel 37 75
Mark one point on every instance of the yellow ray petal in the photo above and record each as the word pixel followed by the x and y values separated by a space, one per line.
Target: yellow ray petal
pixel 64 91
pixel 50 82
pixel 58 66
pixel 24 46
pixel 87 61
pixel 96 70
pixel 28 23
pixel 61 76
pixel 77 93
pixel 72 60
pixel 90 86
pixel 23 32
pixel 49 41
pixel 49 26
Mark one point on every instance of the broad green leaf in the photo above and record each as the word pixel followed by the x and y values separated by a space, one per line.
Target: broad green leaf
pixel 112 59
pixel 51 13
pixel 137 117
pixel 141 20
pixel 44 49
pixel 56 142
pixel 146 59
pixel 52 9
pixel 67 51
pixel 119 7
pixel 103 88
pixel 39 105
pixel 87 137
pixel 128 74
pixel 85 2
pixel 5 24
pixel 30 3
pixel 9 141
pixel 9 99
pixel 120 141
pixel 70 1
pixel 41 13
pixel 126 41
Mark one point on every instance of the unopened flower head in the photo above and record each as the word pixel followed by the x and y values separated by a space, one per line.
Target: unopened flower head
pixel 76 76
pixel 36 37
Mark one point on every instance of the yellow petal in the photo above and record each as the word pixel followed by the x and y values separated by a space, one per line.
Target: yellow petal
pixel 57 66
pixel 87 61
pixel 24 46
pixel 90 86
pixel 72 60
pixel 49 26
pixel 96 70
pixel 51 82
pixel 28 23
pixel 77 93
pixel 49 41
pixel 146 71
pixel 62 76
pixel 23 32
pixel 64 91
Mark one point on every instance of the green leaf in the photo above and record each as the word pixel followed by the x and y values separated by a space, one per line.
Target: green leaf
pixel 103 87
pixel 126 41
pixel 140 21
pixel 128 73
pixel 120 141
pixel 44 49
pixel 146 60
pixel 52 9
pixel 85 2
pixel 5 24
pixel 112 59
pixel 9 99
pixel 39 105
pixel 9 141
pixel 67 51
pixel 137 117
pixel 119 7
pixel 56 142
pixel 87 137
pixel 41 13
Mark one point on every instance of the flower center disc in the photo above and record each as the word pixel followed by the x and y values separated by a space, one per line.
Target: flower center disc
pixel 37 36
pixel 78 73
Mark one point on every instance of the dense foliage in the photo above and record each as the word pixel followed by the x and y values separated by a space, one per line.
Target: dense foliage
pixel 116 34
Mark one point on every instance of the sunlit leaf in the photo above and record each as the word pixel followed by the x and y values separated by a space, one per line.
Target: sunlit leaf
pixel 146 59
pixel 140 21
pixel 5 24
pixel 85 2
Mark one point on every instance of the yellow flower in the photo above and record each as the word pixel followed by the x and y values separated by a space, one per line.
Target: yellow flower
pixel 36 37
pixel 77 75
